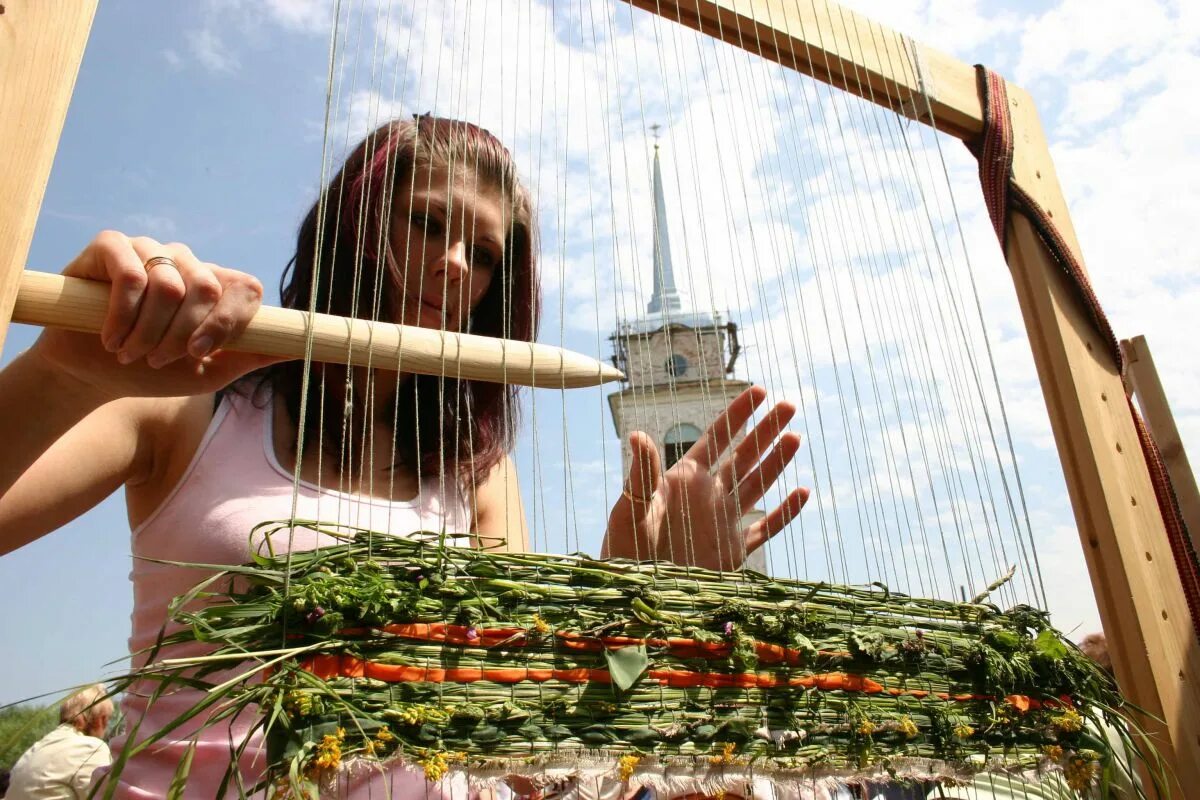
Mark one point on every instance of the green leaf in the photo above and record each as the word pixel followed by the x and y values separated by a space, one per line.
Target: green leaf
pixel 868 643
pixel 1047 645
pixel 804 645
pixel 179 779
pixel 627 665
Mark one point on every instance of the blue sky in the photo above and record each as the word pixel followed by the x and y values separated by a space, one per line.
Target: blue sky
pixel 203 122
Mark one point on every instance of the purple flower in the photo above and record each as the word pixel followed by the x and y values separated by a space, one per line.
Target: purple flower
pixel 728 628
pixel 472 633
pixel 314 615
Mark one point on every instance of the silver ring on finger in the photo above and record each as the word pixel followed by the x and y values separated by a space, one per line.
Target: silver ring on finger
pixel 158 261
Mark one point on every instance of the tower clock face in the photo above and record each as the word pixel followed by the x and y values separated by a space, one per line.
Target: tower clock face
pixel 677 365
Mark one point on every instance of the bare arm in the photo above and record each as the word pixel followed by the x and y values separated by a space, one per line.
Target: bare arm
pixel 499 512
pixel 80 415
pixel 65 449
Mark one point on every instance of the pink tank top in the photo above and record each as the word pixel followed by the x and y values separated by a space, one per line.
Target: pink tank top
pixel 233 483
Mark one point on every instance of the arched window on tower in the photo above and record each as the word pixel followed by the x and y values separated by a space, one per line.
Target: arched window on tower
pixel 679 440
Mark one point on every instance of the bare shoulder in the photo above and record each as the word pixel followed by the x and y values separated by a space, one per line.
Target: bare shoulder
pixel 138 443
pixel 499 512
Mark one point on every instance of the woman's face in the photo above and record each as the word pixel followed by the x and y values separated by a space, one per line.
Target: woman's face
pixel 447 239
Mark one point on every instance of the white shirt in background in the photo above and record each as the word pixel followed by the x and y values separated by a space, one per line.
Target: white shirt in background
pixel 59 766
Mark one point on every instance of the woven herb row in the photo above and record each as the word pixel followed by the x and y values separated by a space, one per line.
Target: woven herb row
pixel 407 647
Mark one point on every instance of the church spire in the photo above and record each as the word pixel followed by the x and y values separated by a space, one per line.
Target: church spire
pixel 665 298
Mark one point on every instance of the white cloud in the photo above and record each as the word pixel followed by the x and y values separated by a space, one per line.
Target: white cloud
pixel 308 16
pixel 156 226
pixel 212 52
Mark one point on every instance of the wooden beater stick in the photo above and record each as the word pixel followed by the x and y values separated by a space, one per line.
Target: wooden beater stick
pixel 80 305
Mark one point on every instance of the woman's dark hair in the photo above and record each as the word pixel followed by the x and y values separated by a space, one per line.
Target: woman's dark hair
pixel 459 428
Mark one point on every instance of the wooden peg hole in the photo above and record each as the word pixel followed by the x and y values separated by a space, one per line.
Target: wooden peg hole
pixel 1104 396
pixel 1148 556
pixel 1164 613
pixel 1133 500
pixel 1119 450
pixel 1038 173
pixel 1089 346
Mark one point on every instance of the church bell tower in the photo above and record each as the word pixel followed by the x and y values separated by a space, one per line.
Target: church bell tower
pixel 678 365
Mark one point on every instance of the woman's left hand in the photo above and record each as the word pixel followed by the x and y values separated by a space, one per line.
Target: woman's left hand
pixel 692 513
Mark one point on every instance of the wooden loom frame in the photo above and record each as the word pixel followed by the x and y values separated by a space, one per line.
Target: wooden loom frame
pixel 1154 649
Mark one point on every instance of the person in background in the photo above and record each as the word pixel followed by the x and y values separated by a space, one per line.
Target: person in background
pixel 59 766
pixel 1095 647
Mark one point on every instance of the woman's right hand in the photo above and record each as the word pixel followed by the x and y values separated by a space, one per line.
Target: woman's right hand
pixel 165 326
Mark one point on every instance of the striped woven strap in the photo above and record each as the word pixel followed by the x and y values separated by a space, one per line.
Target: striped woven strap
pixel 994 151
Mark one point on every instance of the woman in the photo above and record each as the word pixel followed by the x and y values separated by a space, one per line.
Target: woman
pixel 427 224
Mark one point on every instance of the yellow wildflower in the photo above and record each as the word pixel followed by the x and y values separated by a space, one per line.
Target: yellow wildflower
pixel 963 731
pixel 329 751
pixel 298 703
pixel 626 765
pixel 908 727
pixel 436 765
pixel 1053 752
pixel 384 735
pixel 540 625
pixel 1079 773
pixel 726 756
pixel 866 727
pixel 413 715
pixel 1069 721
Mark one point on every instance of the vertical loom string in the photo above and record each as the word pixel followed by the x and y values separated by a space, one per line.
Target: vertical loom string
pixel 907 371
pixel 689 528
pixel 865 118
pixel 773 364
pixel 618 296
pixel 846 123
pixel 771 378
pixel 822 440
pixel 570 521
pixel 786 77
pixel 366 480
pixel 836 367
pixel 656 235
pixel 942 438
pixel 306 373
pixel 460 397
pixel 1029 551
pixel 592 235
pixel 867 90
pixel 869 119
pixel 643 348
pixel 536 152
pixel 731 218
pixel 975 372
pixel 402 68
pixel 985 496
pixel 979 461
pixel 620 310
pixel 880 561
